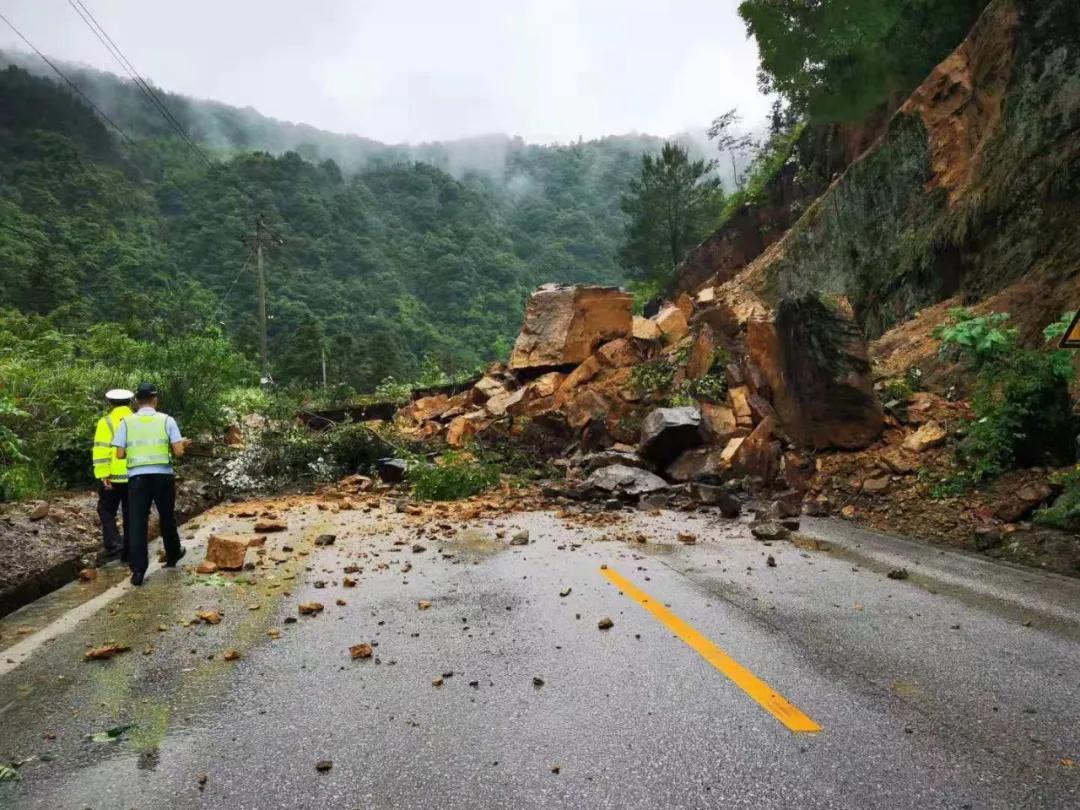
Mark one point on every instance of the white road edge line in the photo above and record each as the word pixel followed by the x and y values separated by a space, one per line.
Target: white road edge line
pixel 18 654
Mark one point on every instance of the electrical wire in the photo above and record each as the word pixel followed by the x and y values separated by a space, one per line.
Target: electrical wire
pixel 148 92
pixel 69 82
pixel 228 292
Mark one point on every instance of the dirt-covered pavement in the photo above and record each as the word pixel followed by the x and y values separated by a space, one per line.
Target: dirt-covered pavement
pixel 492 684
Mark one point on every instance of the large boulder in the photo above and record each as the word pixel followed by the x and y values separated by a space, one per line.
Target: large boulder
pixel 700 461
pixel 702 351
pixel 565 324
pixel 227 551
pixel 591 462
pixel 672 323
pixel 814 357
pixel 668 432
pixel 618 479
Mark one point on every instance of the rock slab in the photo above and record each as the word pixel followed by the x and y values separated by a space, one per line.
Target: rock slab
pixel 565 324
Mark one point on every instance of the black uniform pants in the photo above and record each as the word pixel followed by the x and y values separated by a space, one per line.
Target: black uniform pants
pixel 159 490
pixel 109 502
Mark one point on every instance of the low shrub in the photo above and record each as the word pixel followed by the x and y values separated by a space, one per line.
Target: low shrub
pixel 710 388
pixel 1022 406
pixel 283 456
pixel 653 377
pixel 455 476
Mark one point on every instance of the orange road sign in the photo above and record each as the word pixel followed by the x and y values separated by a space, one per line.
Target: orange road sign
pixel 1071 338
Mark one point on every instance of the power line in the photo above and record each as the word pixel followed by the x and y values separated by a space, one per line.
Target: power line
pixel 70 83
pixel 151 95
pixel 228 292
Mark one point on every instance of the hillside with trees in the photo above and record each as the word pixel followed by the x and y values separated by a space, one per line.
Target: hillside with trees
pixel 392 265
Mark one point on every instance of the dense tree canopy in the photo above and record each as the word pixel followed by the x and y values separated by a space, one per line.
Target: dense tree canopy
pixel 672 205
pixel 388 268
pixel 836 60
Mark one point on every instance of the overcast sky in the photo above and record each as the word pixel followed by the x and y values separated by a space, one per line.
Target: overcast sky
pixel 417 70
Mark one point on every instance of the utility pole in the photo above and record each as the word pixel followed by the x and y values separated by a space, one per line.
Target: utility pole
pixel 263 237
pixel 324 364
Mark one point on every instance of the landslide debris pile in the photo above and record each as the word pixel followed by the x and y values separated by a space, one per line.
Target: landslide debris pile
pixel 692 394
pixel 758 374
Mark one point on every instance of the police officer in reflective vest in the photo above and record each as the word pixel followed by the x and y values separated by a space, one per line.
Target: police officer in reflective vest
pixel 111 474
pixel 150 440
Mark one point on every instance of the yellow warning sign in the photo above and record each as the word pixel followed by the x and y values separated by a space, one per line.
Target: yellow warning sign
pixel 1071 338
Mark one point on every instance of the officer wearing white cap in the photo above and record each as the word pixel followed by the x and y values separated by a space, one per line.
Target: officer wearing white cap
pixel 111 474
pixel 149 441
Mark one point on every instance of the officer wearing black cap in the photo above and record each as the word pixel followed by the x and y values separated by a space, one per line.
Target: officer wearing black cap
pixel 149 441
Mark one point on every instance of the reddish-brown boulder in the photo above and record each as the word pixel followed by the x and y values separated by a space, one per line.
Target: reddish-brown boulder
pixel 672 323
pixel 739 398
pixel 227 551
pixel 498 404
pixel 686 305
pixel 759 454
pixel 582 374
pixel 645 329
pixel 619 353
pixel 702 352
pixel 487 387
pixel 719 423
pixel 814 357
pixel 565 324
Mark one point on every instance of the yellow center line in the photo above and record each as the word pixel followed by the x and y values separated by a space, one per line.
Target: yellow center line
pixel 771 701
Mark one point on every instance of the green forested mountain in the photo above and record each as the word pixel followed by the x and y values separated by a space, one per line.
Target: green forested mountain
pixel 393 264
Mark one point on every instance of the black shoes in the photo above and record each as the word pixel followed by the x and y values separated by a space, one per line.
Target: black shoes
pixel 180 556
pixel 137 577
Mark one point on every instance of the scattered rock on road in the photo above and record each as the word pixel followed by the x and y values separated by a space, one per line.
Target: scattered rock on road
pixel 323 765
pixel 270 525
pixel 520 538
pixel 361 651
pixel 769 531
pixel 227 551
pixel 605 623
pixel 310 608
pixel 105 652
pixel 898 573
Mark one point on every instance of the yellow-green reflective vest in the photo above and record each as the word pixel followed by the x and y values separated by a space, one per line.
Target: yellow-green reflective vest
pixel 106 464
pixel 147 440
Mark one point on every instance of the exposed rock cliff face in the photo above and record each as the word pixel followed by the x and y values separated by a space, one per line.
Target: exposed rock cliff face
pixel 974 185
pixel 819 154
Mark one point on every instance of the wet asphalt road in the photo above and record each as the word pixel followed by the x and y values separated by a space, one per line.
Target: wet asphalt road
pixel 958 687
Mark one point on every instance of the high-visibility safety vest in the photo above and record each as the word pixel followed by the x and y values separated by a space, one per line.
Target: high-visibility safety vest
pixel 147 440
pixel 106 464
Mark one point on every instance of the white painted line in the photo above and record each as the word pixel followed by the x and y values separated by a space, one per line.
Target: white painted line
pixel 19 653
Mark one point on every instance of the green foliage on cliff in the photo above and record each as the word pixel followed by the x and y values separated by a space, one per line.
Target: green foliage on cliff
pixel 836 60
pixel 1023 410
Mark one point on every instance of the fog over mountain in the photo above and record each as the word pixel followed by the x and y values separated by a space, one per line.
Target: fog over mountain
pixel 419 72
